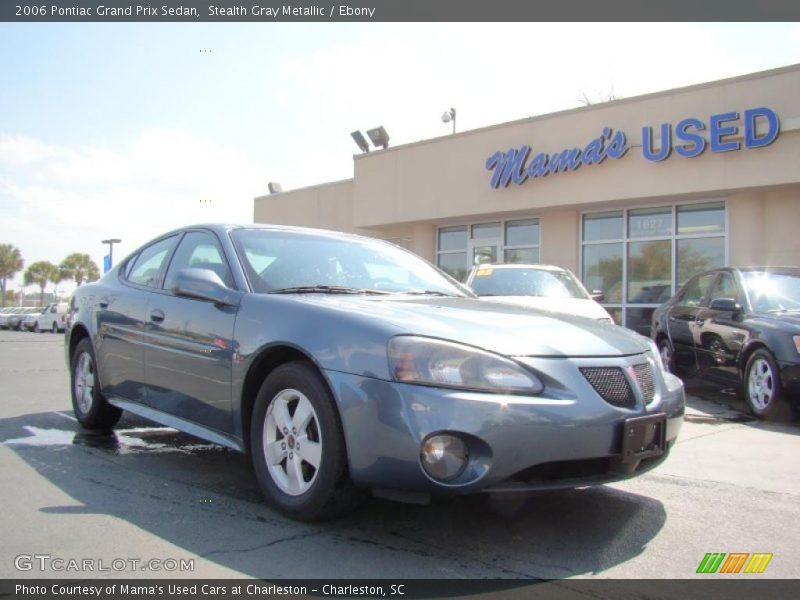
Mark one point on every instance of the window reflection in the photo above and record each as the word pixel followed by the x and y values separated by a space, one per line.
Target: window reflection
pixel 602 270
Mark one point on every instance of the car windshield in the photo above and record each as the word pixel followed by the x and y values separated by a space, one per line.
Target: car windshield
pixel 490 281
pixel 294 261
pixel 773 292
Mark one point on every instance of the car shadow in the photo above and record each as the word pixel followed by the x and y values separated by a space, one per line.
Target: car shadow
pixel 717 404
pixel 204 499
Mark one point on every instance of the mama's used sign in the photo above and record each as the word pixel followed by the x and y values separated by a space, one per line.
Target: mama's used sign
pixel 689 138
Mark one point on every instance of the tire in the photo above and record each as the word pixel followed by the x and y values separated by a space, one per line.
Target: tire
pixel 91 409
pixel 294 410
pixel 762 387
pixel 35 328
pixel 667 354
pixel 54 328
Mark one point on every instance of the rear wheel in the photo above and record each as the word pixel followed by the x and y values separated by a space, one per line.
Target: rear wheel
pixel 91 409
pixel 54 328
pixel 763 390
pixel 298 447
pixel 36 327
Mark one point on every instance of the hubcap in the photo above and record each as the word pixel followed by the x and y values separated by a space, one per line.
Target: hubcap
pixel 292 442
pixel 761 384
pixel 84 382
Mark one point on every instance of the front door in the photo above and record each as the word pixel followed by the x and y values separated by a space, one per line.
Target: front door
pixel 189 356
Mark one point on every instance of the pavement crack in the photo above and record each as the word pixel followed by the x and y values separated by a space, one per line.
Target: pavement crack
pixel 282 540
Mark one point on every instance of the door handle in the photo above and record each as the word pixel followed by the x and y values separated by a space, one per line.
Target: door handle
pixel 157 316
pixel 103 303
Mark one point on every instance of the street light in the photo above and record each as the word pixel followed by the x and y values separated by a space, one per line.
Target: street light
pixel 448 116
pixel 110 243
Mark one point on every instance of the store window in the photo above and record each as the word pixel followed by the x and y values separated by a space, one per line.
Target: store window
pixel 462 246
pixel 638 257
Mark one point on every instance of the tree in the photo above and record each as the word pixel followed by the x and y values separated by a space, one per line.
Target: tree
pixel 41 273
pixel 80 268
pixel 10 264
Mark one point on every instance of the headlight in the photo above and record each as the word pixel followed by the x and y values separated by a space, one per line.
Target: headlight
pixel 429 361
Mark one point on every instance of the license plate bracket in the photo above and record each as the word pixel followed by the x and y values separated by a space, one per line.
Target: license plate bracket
pixel 643 437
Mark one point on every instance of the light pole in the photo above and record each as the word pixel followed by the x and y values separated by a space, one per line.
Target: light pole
pixel 111 243
pixel 448 116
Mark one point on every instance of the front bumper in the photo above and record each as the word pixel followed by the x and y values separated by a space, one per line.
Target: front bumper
pixel 566 437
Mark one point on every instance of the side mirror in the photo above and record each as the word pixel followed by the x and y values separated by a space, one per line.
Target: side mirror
pixel 597 295
pixel 725 304
pixel 204 284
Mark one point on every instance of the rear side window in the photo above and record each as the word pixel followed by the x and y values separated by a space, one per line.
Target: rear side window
pixel 147 266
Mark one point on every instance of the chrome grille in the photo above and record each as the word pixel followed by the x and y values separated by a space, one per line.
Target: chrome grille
pixel 611 384
pixel 644 378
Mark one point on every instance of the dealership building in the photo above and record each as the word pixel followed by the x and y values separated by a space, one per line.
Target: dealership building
pixel 633 195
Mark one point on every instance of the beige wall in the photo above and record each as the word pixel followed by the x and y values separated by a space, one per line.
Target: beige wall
pixel 764 227
pixel 328 206
pixel 559 238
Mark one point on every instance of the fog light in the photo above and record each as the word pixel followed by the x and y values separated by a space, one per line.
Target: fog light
pixel 443 456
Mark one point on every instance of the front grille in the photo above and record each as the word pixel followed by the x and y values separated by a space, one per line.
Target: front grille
pixel 611 384
pixel 644 377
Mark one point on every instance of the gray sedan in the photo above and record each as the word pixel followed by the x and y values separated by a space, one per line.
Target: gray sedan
pixel 344 364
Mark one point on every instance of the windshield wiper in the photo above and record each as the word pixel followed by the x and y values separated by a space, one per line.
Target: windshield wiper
pixel 326 289
pixel 428 293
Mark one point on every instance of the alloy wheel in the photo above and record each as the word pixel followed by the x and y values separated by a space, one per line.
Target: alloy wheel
pixel 84 382
pixel 761 384
pixel 292 442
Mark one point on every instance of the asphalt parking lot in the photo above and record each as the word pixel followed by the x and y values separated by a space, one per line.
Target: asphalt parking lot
pixel 732 484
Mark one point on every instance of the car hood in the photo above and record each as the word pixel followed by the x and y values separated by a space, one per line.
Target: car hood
pixel 789 318
pixel 583 307
pixel 502 328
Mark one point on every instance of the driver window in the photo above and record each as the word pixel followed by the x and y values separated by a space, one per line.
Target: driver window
pixel 199 250
pixel 696 292
pixel 725 287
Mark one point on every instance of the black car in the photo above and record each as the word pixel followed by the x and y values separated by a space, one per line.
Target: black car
pixel 737 326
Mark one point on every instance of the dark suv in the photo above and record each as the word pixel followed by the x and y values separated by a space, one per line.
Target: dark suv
pixel 738 326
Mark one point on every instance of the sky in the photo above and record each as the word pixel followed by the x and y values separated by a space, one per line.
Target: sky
pixel 114 130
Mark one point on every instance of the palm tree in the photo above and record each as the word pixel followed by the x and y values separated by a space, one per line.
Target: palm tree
pixel 10 263
pixel 41 273
pixel 80 268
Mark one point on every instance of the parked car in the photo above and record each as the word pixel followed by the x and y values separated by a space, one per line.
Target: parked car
pixel 536 286
pixel 51 318
pixel 5 313
pixel 737 326
pixel 15 320
pixel 344 363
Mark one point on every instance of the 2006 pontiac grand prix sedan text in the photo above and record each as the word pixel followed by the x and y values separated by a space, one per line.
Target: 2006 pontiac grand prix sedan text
pixel 343 363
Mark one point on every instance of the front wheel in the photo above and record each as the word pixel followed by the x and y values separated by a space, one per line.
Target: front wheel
pixel 298 447
pixel 667 354
pixel 763 390
pixel 91 409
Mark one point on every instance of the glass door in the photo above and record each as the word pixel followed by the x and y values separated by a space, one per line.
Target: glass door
pixel 484 251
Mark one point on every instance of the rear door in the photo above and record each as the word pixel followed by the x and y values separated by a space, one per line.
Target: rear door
pixel 120 339
pixel 190 348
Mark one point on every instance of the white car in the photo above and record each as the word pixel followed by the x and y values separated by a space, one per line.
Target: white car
pixel 52 317
pixel 545 287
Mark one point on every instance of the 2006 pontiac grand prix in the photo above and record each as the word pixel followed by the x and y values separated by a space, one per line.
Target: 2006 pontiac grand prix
pixel 343 363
